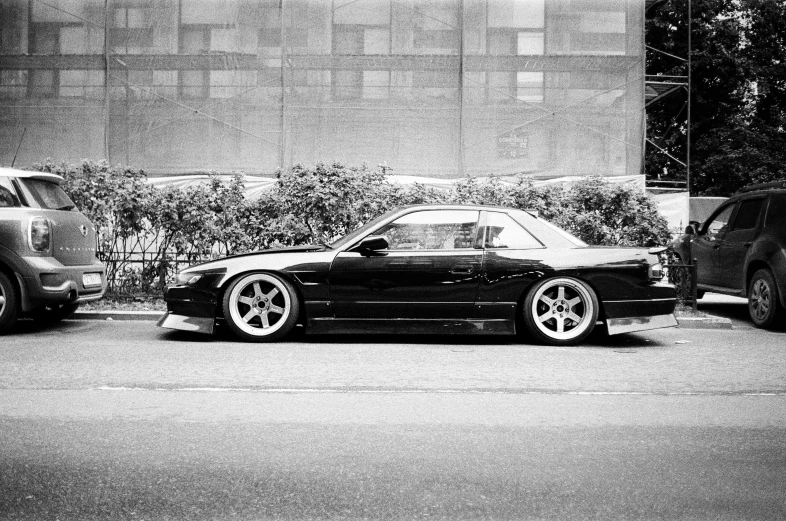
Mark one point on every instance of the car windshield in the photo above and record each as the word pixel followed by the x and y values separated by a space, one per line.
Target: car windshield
pixel 48 195
pixel 351 236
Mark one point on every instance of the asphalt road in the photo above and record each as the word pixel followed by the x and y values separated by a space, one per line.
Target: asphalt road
pixel 120 420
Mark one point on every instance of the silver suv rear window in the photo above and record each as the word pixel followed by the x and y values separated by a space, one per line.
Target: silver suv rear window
pixel 47 195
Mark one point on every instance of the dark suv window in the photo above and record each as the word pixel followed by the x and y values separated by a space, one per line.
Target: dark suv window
pixel 748 214
pixel 776 213
pixel 7 196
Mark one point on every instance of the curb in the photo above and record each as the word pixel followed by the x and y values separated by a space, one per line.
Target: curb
pixel 708 322
pixel 117 315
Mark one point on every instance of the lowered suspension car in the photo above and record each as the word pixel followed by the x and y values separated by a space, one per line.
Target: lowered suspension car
pixel 430 269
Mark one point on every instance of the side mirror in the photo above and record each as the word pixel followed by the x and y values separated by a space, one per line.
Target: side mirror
pixel 693 228
pixel 372 245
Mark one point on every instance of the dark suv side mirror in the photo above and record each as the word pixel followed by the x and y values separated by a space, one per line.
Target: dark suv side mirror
pixel 372 245
pixel 693 228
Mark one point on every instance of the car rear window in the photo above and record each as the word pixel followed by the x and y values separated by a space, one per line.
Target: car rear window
pixel 748 214
pixel 48 195
pixel 549 234
pixel 776 213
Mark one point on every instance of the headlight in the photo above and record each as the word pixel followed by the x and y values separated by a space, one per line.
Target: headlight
pixel 39 234
pixel 188 278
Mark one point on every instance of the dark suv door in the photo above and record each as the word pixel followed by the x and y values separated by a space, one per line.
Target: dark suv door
pixel 734 246
pixel 706 246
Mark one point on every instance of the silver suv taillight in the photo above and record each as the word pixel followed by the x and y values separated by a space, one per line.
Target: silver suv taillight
pixel 39 235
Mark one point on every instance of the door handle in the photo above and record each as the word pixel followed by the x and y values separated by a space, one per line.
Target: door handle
pixel 462 270
pixel 748 244
pixel 715 247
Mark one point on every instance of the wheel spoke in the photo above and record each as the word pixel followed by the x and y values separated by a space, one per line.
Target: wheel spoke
pixel 560 324
pixel 257 290
pixel 2 300
pixel 574 301
pixel 276 309
pixel 248 301
pixel 546 300
pixel 544 317
pixel 248 316
pixel 272 293
pixel 265 321
pixel 574 317
pixel 561 293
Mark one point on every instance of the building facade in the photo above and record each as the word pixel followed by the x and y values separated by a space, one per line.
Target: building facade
pixel 439 88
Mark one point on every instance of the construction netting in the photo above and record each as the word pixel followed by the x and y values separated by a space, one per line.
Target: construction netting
pixel 437 88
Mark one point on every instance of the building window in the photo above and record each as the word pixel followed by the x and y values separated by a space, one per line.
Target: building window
pixel 131 32
pixel 194 39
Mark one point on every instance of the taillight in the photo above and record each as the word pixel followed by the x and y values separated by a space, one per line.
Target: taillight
pixel 39 236
pixel 656 271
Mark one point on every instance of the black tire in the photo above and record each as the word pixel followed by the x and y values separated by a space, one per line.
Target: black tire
pixel 9 303
pixel 560 311
pixel 764 306
pixel 261 307
pixel 55 312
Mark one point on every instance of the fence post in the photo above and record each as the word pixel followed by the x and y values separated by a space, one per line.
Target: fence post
pixel 693 276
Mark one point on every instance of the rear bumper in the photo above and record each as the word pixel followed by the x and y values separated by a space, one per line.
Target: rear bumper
pixel 49 282
pixel 655 310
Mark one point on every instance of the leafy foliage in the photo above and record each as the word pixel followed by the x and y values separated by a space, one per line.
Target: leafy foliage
pixel 738 93
pixel 146 233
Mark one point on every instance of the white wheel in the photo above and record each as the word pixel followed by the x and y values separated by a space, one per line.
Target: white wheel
pixel 261 307
pixel 561 311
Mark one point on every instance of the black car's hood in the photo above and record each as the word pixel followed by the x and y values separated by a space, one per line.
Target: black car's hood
pixel 289 249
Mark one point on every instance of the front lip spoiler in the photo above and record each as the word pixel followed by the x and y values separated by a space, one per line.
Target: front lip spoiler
pixel 616 326
pixel 184 323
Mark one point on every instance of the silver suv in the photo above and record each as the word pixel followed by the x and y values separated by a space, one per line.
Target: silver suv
pixel 48 262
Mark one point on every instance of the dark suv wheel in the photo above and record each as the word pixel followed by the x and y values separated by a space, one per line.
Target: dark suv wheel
pixel 763 300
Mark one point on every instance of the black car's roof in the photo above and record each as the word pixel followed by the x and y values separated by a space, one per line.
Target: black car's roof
pixel 458 206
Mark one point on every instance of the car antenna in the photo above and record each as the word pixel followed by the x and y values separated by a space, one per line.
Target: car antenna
pixel 24 130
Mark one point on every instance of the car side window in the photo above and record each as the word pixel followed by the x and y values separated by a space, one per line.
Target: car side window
pixel 7 196
pixel 719 224
pixel 432 230
pixel 503 232
pixel 776 213
pixel 748 214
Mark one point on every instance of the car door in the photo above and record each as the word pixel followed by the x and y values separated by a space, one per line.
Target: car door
pixel 734 245
pixel 705 247
pixel 431 269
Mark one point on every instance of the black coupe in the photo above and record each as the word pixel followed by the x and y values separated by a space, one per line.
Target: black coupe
pixel 430 269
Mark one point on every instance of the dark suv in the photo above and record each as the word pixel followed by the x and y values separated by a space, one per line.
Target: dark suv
pixel 48 263
pixel 741 250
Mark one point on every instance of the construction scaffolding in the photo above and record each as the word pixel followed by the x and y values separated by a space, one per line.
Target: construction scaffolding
pixel 436 88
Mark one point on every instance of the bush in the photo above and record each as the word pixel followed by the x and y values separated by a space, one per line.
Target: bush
pixel 146 233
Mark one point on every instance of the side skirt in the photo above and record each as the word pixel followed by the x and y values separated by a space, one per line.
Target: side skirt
pixel 403 326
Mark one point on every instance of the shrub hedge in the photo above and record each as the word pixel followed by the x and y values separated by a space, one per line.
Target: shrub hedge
pixel 145 233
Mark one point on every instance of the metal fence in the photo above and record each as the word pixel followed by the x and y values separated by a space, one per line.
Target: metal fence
pixel 144 273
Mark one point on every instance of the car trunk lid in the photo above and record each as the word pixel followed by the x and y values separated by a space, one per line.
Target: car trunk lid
pixel 73 238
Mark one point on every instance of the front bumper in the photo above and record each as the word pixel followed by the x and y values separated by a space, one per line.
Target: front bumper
pixel 50 282
pixel 190 309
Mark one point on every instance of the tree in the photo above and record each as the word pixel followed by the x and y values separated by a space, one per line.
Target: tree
pixel 719 82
